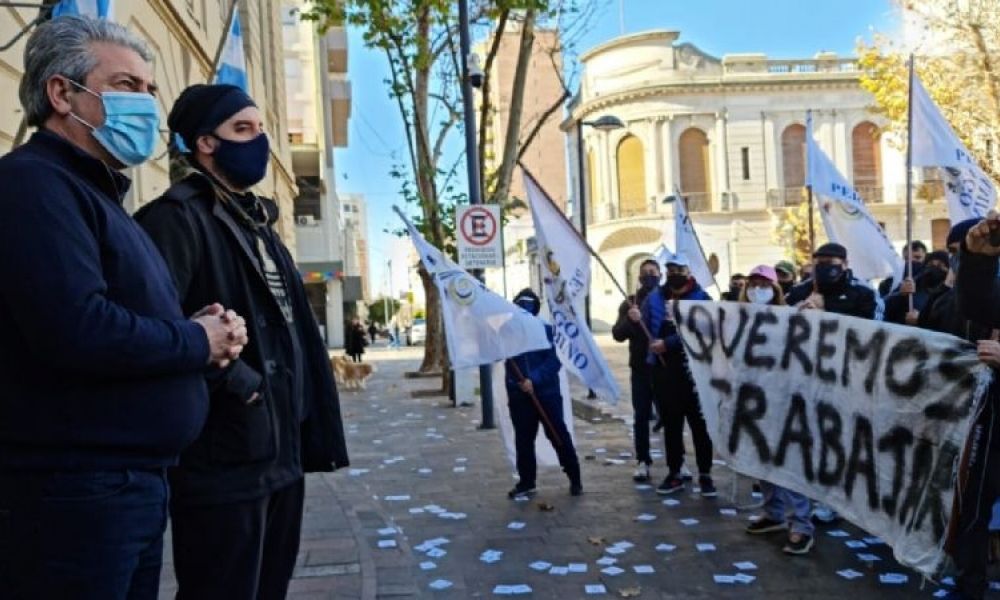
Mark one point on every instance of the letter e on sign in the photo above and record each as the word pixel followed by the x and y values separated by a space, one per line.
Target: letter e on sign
pixel 479 239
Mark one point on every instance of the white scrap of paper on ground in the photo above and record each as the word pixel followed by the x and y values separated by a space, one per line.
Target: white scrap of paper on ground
pixel 869 557
pixel 624 545
pixel 705 547
pixel 540 565
pixel 577 567
pixel 416 510
pixel 387 531
pixel 515 525
pixel 893 578
pixel 724 579
pixel 642 487
pixel 387 543
pixel 595 588
pixel 941 593
pixel 671 502
pixel 606 561
pixel 356 472
pixel 948 581
pixel 614 550
pixel 665 547
pixel 849 574
pixel 727 512
pixel 644 569
pixel 522 499
pixel 745 566
pixel 612 571
pixel 399 498
pixel 646 517
pixel 838 533
pixel 873 541
pixel 376 442
pixel 427 565
pixel 436 552
pixel 599 450
pixel 425 471
pixel 521 588
pixel 744 578
pixel 440 584
pixel 458 470
pixel 855 544
pixel 559 571
pixel 689 522
pixel 720 462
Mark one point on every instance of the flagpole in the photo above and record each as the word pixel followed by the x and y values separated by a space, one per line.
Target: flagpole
pixel 222 42
pixel 556 440
pixel 809 187
pixel 909 181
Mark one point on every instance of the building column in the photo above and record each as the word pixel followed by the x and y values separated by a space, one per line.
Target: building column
pixel 607 184
pixel 667 158
pixel 772 150
pixel 719 158
pixel 650 159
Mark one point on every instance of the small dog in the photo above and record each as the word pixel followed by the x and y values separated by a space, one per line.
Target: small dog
pixel 351 375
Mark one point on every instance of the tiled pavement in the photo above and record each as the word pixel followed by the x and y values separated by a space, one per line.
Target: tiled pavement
pixel 415 457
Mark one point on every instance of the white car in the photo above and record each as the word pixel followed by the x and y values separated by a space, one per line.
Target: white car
pixel 418 332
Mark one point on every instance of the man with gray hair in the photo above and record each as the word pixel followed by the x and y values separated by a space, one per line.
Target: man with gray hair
pixel 101 375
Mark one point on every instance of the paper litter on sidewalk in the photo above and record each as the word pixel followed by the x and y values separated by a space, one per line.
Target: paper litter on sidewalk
pixel 440 584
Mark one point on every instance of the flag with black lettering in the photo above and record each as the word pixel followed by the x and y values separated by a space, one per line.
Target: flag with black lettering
pixel 869 417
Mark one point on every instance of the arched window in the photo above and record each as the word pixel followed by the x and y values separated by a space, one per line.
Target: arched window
pixel 793 164
pixel 866 161
pixel 696 179
pixel 592 197
pixel 631 177
pixel 632 271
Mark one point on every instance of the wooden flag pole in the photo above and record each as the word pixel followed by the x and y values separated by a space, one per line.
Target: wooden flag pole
pixel 556 440
pixel 909 182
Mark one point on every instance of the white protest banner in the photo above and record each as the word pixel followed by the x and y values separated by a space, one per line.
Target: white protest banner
pixel 869 417
pixel 969 191
pixel 480 326
pixel 565 261
pixel 846 218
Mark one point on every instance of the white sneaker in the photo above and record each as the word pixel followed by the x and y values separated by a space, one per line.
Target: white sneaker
pixel 641 473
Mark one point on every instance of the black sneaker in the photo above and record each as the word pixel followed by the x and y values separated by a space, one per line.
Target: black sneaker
pixel 519 491
pixel 576 489
pixel 670 485
pixel 800 545
pixel 707 487
pixel 765 525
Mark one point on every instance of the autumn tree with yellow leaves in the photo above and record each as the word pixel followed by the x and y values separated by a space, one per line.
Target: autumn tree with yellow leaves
pixel 958 60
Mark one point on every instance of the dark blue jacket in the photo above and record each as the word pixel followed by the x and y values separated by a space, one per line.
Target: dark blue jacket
pixel 540 366
pixel 99 369
pixel 654 310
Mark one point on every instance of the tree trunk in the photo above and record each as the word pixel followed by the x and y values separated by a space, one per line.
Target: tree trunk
pixel 434 343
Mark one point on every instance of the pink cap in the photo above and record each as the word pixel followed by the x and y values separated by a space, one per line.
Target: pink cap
pixel 765 271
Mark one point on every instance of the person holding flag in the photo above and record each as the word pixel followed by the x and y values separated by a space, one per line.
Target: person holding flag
pixel 673 388
pixel 534 398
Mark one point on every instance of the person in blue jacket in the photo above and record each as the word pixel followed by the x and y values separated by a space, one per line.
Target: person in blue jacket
pixel 103 375
pixel 673 389
pixel 538 372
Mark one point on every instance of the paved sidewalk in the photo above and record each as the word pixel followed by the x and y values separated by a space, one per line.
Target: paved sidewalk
pixel 423 471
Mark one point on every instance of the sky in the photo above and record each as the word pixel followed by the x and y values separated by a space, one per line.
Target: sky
pixel 778 28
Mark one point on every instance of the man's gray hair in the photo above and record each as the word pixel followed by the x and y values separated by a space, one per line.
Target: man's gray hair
pixel 63 47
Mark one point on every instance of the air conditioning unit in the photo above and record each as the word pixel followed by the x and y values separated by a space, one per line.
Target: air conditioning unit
pixel 305 220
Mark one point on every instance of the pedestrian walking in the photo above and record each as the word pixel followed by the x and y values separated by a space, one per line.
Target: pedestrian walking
pixel 372 331
pixel 238 491
pixel 355 342
pixel 102 373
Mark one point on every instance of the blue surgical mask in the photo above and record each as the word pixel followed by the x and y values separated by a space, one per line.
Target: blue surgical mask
pixel 131 125
pixel 243 164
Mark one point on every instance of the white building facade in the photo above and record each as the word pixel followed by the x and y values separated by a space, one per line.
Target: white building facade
pixel 729 135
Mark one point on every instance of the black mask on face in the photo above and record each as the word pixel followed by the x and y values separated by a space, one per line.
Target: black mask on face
pixel 933 277
pixel 676 282
pixel 828 277
pixel 648 282
pixel 785 286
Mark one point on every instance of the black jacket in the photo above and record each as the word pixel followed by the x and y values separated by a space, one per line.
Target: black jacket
pixel 852 298
pixel 100 368
pixel 246 450
pixel 625 329
pixel 942 314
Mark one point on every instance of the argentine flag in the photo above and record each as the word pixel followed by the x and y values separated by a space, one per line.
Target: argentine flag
pixel 232 64
pixel 97 9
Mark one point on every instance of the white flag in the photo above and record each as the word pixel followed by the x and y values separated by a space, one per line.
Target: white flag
pixel 566 271
pixel 687 244
pixel 480 326
pixel 846 218
pixel 969 191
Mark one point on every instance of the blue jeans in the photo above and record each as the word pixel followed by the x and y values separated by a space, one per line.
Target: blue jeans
pixel 779 501
pixel 82 535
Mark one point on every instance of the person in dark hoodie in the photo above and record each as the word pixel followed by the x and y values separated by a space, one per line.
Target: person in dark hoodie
pixel 102 374
pixel 238 492
pixel 978 293
pixel 673 389
pixel 628 328
pixel 942 313
pixel 928 282
pixel 535 376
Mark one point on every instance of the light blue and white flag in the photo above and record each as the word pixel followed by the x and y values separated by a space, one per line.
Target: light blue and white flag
pixel 97 9
pixel 969 191
pixel 846 218
pixel 565 261
pixel 688 245
pixel 480 326
pixel 232 63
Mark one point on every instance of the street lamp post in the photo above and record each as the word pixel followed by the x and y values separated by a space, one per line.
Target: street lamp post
pixel 606 123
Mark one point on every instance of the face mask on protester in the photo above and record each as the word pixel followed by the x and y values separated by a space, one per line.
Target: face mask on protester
pixel 828 276
pixel 760 295
pixel 933 276
pixel 649 282
pixel 131 125
pixel 677 281
pixel 243 164
pixel 785 286
pixel 527 303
